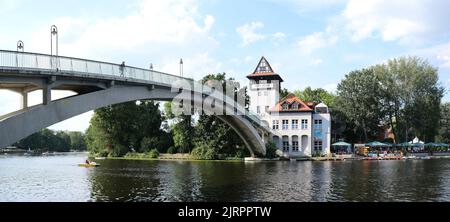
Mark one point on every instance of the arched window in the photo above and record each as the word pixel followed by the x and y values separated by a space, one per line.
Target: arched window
pixel 285 144
pixel 305 142
pixel 295 144
pixel 276 141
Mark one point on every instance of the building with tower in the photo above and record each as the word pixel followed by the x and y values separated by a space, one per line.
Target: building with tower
pixel 299 128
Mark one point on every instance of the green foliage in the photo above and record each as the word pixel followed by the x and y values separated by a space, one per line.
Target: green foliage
pixel 149 143
pixel 216 133
pixel 204 152
pixel 50 140
pixel 284 93
pixel 403 94
pixel 172 150
pixel 118 129
pixel 271 150
pixel 154 154
pixel 316 95
pixel 360 100
pixel 77 141
pixel 183 133
pixel 444 126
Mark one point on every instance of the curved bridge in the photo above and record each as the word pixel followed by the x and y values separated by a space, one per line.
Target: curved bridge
pixel 100 84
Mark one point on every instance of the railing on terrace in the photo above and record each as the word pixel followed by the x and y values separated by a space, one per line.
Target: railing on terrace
pixel 39 62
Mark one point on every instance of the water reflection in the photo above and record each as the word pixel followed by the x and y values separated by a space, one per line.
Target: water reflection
pixel 58 178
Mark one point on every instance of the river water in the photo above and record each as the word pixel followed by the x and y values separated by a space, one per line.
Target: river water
pixel 59 179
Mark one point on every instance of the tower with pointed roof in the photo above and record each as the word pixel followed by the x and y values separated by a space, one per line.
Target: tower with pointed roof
pixel 299 128
pixel 265 88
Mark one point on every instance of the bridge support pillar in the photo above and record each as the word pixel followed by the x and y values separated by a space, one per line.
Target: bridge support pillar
pixel 24 101
pixel 46 95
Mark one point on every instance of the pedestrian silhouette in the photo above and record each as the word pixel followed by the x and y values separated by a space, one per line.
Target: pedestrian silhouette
pixel 122 69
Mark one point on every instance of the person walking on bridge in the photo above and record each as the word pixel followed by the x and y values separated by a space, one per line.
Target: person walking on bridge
pixel 122 69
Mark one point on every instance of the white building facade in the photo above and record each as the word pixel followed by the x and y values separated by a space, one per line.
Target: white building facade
pixel 299 128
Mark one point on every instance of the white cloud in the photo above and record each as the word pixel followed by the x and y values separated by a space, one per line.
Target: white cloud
pixel 154 25
pixel 303 6
pixel 445 60
pixel 195 67
pixel 315 41
pixel 248 33
pixel 156 31
pixel 406 21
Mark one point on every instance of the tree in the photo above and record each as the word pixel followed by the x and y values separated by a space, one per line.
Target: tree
pixel 411 97
pixel 444 127
pixel 49 140
pixel 182 130
pixel 122 128
pixel 316 95
pixel 213 133
pixel 77 141
pixel 359 99
pixel 403 94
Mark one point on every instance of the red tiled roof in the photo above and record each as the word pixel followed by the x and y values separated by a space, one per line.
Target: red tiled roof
pixel 259 74
pixel 290 99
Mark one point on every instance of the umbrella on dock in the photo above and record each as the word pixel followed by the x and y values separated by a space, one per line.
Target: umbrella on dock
pixel 378 144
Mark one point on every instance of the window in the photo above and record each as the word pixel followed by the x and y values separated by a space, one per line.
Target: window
pixel 304 124
pixel 295 106
pixel 318 124
pixel 285 124
pixel 267 109
pixel 269 81
pixel 286 146
pixel 295 147
pixel 295 124
pixel 275 124
pixel 285 106
pixel 258 109
pixel 318 145
pixel 285 143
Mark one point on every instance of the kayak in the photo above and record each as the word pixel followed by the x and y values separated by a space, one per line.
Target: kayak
pixel 89 165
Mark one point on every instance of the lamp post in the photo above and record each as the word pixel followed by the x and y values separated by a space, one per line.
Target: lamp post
pixel 53 32
pixel 20 46
pixel 181 67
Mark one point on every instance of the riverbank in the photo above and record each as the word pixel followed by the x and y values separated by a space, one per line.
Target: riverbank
pixel 189 158
pixel 171 157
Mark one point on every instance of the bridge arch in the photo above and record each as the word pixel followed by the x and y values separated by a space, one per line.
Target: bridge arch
pixel 28 121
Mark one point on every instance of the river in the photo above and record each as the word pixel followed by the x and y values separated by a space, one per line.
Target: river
pixel 59 179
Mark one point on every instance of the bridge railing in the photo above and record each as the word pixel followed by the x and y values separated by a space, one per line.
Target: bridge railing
pixel 35 61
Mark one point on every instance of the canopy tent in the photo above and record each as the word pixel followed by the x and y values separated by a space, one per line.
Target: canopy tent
pixel 340 145
pixel 444 145
pixel 416 141
pixel 378 144
pixel 433 145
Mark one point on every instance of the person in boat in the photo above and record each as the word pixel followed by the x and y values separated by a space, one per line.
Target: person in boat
pixel 88 162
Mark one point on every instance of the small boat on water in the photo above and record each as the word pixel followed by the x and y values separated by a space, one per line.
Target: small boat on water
pixel 90 165
pixel 100 158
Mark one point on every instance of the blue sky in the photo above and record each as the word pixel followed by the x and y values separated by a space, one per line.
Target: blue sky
pixel 309 43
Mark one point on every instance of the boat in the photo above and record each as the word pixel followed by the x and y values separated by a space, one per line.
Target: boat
pixel 100 158
pixel 90 165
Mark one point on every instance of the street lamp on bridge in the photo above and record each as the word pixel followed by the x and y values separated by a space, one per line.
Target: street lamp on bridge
pixel 53 32
pixel 181 67
pixel 20 46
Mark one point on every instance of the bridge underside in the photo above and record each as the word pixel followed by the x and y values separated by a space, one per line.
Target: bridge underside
pixel 92 94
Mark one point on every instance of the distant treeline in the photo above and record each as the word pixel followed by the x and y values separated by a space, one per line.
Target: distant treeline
pixel 55 141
